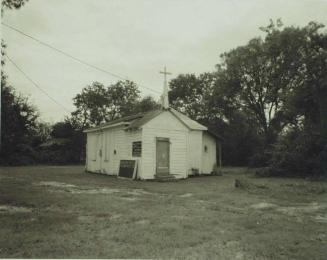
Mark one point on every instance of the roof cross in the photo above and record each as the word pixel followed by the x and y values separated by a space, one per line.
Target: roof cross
pixel 165 100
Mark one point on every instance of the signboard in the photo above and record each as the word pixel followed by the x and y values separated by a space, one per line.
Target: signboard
pixel 127 169
pixel 137 149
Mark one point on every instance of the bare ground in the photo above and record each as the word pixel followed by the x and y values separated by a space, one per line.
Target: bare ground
pixel 62 212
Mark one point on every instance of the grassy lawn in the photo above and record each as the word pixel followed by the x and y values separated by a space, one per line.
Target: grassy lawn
pixel 62 212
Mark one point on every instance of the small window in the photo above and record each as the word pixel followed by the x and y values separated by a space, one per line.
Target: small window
pixel 206 148
pixel 137 149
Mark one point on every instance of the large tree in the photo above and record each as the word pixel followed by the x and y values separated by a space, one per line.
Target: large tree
pixel 19 124
pixel 98 104
pixel 201 98
pixel 260 76
pixel 192 95
pixel 147 103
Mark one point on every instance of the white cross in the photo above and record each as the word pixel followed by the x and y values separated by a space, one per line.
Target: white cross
pixel 165 75
pixel 165 100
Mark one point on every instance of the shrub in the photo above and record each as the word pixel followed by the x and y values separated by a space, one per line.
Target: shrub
pixel 299 153
pixel 260 159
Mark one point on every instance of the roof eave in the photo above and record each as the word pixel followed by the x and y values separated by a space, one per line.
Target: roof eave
pixel 99 128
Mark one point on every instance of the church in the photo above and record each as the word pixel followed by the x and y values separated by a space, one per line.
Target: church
pixel 159 144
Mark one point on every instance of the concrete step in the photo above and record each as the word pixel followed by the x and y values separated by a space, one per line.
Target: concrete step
pixel 165 178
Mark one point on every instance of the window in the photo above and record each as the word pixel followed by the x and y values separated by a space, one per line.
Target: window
pixel 206 148
pixel 137 149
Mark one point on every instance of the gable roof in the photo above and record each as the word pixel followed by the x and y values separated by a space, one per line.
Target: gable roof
pixel 145 118
pixel 120 121
pixel 138 120
pixel 192 124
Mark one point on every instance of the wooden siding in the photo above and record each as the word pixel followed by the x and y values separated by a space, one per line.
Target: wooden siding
pixel 209 158
pixel 194 151
pixel 111 140
pixel 168 126
pixel 187 148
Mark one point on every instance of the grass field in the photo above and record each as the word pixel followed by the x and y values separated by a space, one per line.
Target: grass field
pixel 62 212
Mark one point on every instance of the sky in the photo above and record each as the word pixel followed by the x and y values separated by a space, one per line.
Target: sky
pixel 132 38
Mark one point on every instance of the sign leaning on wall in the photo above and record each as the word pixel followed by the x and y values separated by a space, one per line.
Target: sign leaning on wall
pixel 128 169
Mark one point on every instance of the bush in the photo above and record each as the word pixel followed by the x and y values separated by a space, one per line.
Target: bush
pixel 299 153
pixel 261 159
pixel 58 156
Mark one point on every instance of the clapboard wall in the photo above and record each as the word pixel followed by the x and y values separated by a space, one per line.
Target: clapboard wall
pixel 107 147
pixel 168 126
pixel 209 157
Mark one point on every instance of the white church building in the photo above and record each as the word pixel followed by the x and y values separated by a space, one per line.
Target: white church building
pixel 163 143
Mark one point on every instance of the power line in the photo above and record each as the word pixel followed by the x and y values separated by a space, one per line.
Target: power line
pixel 73 57
pixel 36 85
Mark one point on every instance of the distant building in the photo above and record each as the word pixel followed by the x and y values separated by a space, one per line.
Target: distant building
pixel 165 143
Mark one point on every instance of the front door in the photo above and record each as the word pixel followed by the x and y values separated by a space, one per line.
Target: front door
pixel 163 156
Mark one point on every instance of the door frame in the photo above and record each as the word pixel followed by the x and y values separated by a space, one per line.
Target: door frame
pixel 162 139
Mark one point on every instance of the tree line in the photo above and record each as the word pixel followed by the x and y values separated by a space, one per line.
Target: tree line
pixel 267 99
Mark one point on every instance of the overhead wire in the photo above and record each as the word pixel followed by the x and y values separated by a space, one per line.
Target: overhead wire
pixel 74 58
pixel 36 85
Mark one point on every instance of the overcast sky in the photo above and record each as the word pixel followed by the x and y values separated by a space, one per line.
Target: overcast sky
pixel 132 38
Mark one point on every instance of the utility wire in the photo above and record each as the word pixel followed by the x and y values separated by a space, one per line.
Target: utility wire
pixel 74 58
pixel 36 85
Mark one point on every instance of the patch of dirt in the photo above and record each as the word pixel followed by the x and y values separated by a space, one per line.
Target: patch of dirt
pixel 66 187
pixel 142 222
pixel 294 211
pixel 138 192
pixel 186 195
pixel 263 205
pixel 98 216
pixel 128 198
pixel 306 187
pixel 95 191
pixel 320 218
pixel 306 208
pixel 56 184
pixel 14 209
pixel 201 201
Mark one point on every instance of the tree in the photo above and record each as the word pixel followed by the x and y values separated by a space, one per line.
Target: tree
pixel 259 75
pixel 192 95
pixel 146 104
pixel 302 148
pixel 62 130
pixel 98 104
pixel 12 4
pixel 19 122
